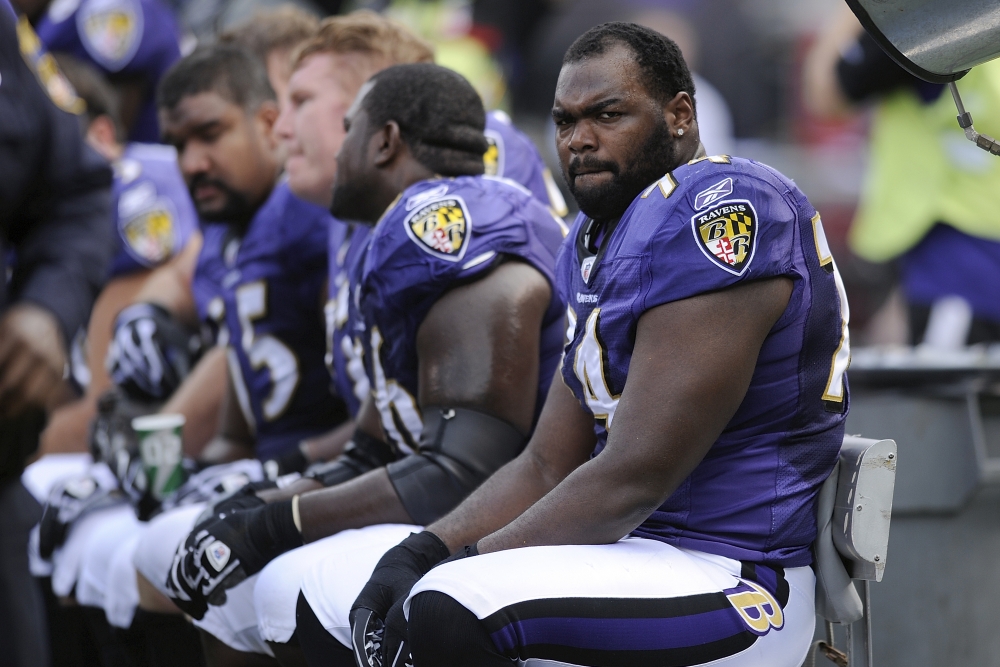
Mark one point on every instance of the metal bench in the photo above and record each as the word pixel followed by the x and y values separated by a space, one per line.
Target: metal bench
pixel 853 510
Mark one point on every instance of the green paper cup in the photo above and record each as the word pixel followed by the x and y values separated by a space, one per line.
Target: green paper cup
pixel 161 451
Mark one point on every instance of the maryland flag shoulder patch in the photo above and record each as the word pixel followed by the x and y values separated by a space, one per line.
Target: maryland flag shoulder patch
pixel 150 235
pixel 494 155
pixel 727 234
pixel 441 227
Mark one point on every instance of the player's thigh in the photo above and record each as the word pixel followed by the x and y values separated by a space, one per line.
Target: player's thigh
pixel 277 588
pixel 98 553
pixel 121 598
pixel 155 553
pixel 234 623
pixel 638 601
pixel 68 558
pixel 333 584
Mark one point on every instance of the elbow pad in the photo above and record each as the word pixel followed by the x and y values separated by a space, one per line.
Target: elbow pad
pixel 459 448
pixel 363 453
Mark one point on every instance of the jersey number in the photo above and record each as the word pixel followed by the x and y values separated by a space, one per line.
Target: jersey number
pixel 266 350
pixel 401 418
pixel 833 394
pixel 590 366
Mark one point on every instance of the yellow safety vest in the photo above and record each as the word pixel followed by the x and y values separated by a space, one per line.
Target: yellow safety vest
pixel 923 170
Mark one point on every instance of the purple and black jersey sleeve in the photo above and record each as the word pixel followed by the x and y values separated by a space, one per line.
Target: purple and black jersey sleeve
pixel 707 226
pixel 440 234
pixel 513 155
pixel 348 244
pixel 133 41
pixel 153 214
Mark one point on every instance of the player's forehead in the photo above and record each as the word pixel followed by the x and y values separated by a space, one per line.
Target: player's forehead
pixel 339 74
pixel 612 74
pixel 199 110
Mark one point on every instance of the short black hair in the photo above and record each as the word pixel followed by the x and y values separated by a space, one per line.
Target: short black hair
pixel 91 87
pixel 440 116
pixel 225 69
pixel 657 56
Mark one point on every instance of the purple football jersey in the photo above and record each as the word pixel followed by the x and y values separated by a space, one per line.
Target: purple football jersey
pixel 270 286
pixel 153 212
pixel 215 259
pixel 709 225
pixel 439 234
pixel 127 40
pixel 348 243
pixel 513 155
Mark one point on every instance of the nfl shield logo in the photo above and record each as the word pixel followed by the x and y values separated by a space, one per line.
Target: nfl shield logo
pixel 586 267
pixel 218 555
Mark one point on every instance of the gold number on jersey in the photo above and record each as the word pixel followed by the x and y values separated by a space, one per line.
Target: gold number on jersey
pixel 266 350
pixel 589 366
pixel 834 391
pixel 401 419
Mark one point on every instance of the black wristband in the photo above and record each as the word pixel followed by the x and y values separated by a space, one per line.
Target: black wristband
pixel 273 531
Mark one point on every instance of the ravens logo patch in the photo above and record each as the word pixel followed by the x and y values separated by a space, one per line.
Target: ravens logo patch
pixel 727 234
pixel 150 236
pixel 111 31
pixel 441 228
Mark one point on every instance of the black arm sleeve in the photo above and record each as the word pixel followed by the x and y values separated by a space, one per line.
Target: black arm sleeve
pixel 865 71
pixel 55 200
pixel 459 448
pixel 362 453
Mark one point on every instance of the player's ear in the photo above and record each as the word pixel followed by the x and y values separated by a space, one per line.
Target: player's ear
pixel 266 116
pixel 388 143
pixel 679 113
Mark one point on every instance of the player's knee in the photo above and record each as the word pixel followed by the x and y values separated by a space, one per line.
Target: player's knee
pixel 318 646
pixel 153 600
pixel 443 632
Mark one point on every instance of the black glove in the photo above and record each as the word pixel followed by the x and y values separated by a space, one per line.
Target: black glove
pixel 223 552
pixel 150 352
pixel 374 643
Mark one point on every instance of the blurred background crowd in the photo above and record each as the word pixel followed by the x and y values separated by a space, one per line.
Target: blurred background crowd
pixel 788 82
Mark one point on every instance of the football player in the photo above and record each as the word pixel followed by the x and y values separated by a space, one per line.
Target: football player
pixel 663 511
pixel 260 278
pixel 271 36
pixel 328 71
pixel 459 328
pixel 133 42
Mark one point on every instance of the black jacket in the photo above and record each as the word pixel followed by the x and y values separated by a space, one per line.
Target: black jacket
pixel 55 195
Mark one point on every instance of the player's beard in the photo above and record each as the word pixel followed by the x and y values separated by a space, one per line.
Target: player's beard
pixel 608 201
pixel 236 210
pixel 352 201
